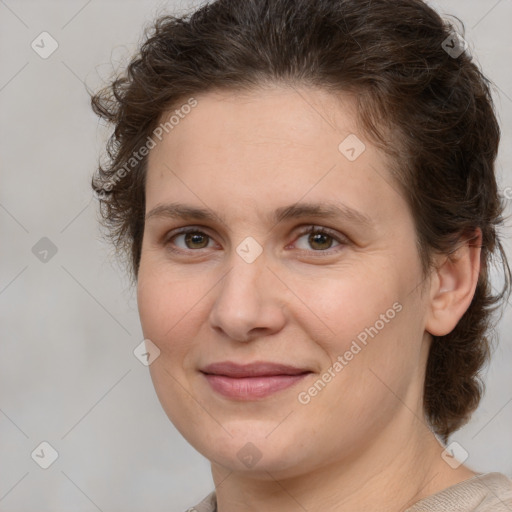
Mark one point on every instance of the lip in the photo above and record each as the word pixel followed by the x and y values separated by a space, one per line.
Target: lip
pixel 256 369
pixel 251 381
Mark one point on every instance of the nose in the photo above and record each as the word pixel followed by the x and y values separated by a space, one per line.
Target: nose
pixel 248 302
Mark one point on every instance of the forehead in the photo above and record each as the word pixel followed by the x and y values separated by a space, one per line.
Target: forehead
pixel 232 121
pixel 270 148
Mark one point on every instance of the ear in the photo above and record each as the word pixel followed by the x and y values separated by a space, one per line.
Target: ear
pixel 453 285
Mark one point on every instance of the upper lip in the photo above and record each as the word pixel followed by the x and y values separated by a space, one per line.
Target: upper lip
pixel 256 369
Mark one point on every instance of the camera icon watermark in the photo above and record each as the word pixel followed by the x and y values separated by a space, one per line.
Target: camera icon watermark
pixel 454 45
pixel 44 250
pixel 44 455
pixel 249 249
pixel 454 455
pixel 507 193
pixel 352 147
pixel 44 45
pixel 146 352
pixel 249 455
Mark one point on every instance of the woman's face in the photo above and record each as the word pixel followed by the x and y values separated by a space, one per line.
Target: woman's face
pixel 342 307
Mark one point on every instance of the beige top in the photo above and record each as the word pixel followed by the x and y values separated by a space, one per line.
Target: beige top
pixel 485 492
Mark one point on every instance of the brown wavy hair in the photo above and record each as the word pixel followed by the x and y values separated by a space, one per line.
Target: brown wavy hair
pixel 430 110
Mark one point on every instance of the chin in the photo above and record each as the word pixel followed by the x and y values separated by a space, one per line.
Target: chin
pixel 249 451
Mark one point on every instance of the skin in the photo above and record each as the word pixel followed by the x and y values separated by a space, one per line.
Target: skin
pixel 362 442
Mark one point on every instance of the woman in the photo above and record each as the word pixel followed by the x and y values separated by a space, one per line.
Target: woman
pixel 306 194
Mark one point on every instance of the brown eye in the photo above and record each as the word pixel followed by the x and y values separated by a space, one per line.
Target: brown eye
pixel 188 240
pixel 320 241
pixel 196 240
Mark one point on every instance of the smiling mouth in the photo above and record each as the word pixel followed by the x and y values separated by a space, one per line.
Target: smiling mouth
pixel 252 381
pixel 248 388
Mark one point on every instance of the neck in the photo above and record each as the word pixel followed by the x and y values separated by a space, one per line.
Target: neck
pixel 399 467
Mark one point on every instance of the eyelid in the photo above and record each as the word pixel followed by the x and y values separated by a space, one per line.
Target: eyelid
pixel 342 239
pixel 303 229
pixel 168 237
pixel 184 229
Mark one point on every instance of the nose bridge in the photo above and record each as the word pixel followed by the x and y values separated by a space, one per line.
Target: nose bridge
pixel 245 301
pixel 241 287
pixel 248 268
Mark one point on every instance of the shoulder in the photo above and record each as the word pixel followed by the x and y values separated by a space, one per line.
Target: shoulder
pixel 207 504
pixel 486 492
pixel 499 493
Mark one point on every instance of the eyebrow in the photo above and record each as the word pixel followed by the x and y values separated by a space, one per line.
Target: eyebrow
pixel 294 211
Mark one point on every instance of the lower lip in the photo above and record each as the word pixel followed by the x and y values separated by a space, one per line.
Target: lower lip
pixel 250 388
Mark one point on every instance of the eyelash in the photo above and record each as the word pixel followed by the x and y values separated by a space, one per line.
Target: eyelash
pixel 342 241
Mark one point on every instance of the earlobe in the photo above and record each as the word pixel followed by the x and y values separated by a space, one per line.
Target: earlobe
pixel 453 287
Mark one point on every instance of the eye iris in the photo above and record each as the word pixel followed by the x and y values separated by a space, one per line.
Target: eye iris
pixel 196 238
pixel 320 238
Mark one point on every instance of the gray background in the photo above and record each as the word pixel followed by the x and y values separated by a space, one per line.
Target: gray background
pixel 69 325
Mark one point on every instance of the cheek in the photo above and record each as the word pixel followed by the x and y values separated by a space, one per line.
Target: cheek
pixel 169 308
pixel 340 306
pixel 366 323
pixel 380 362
